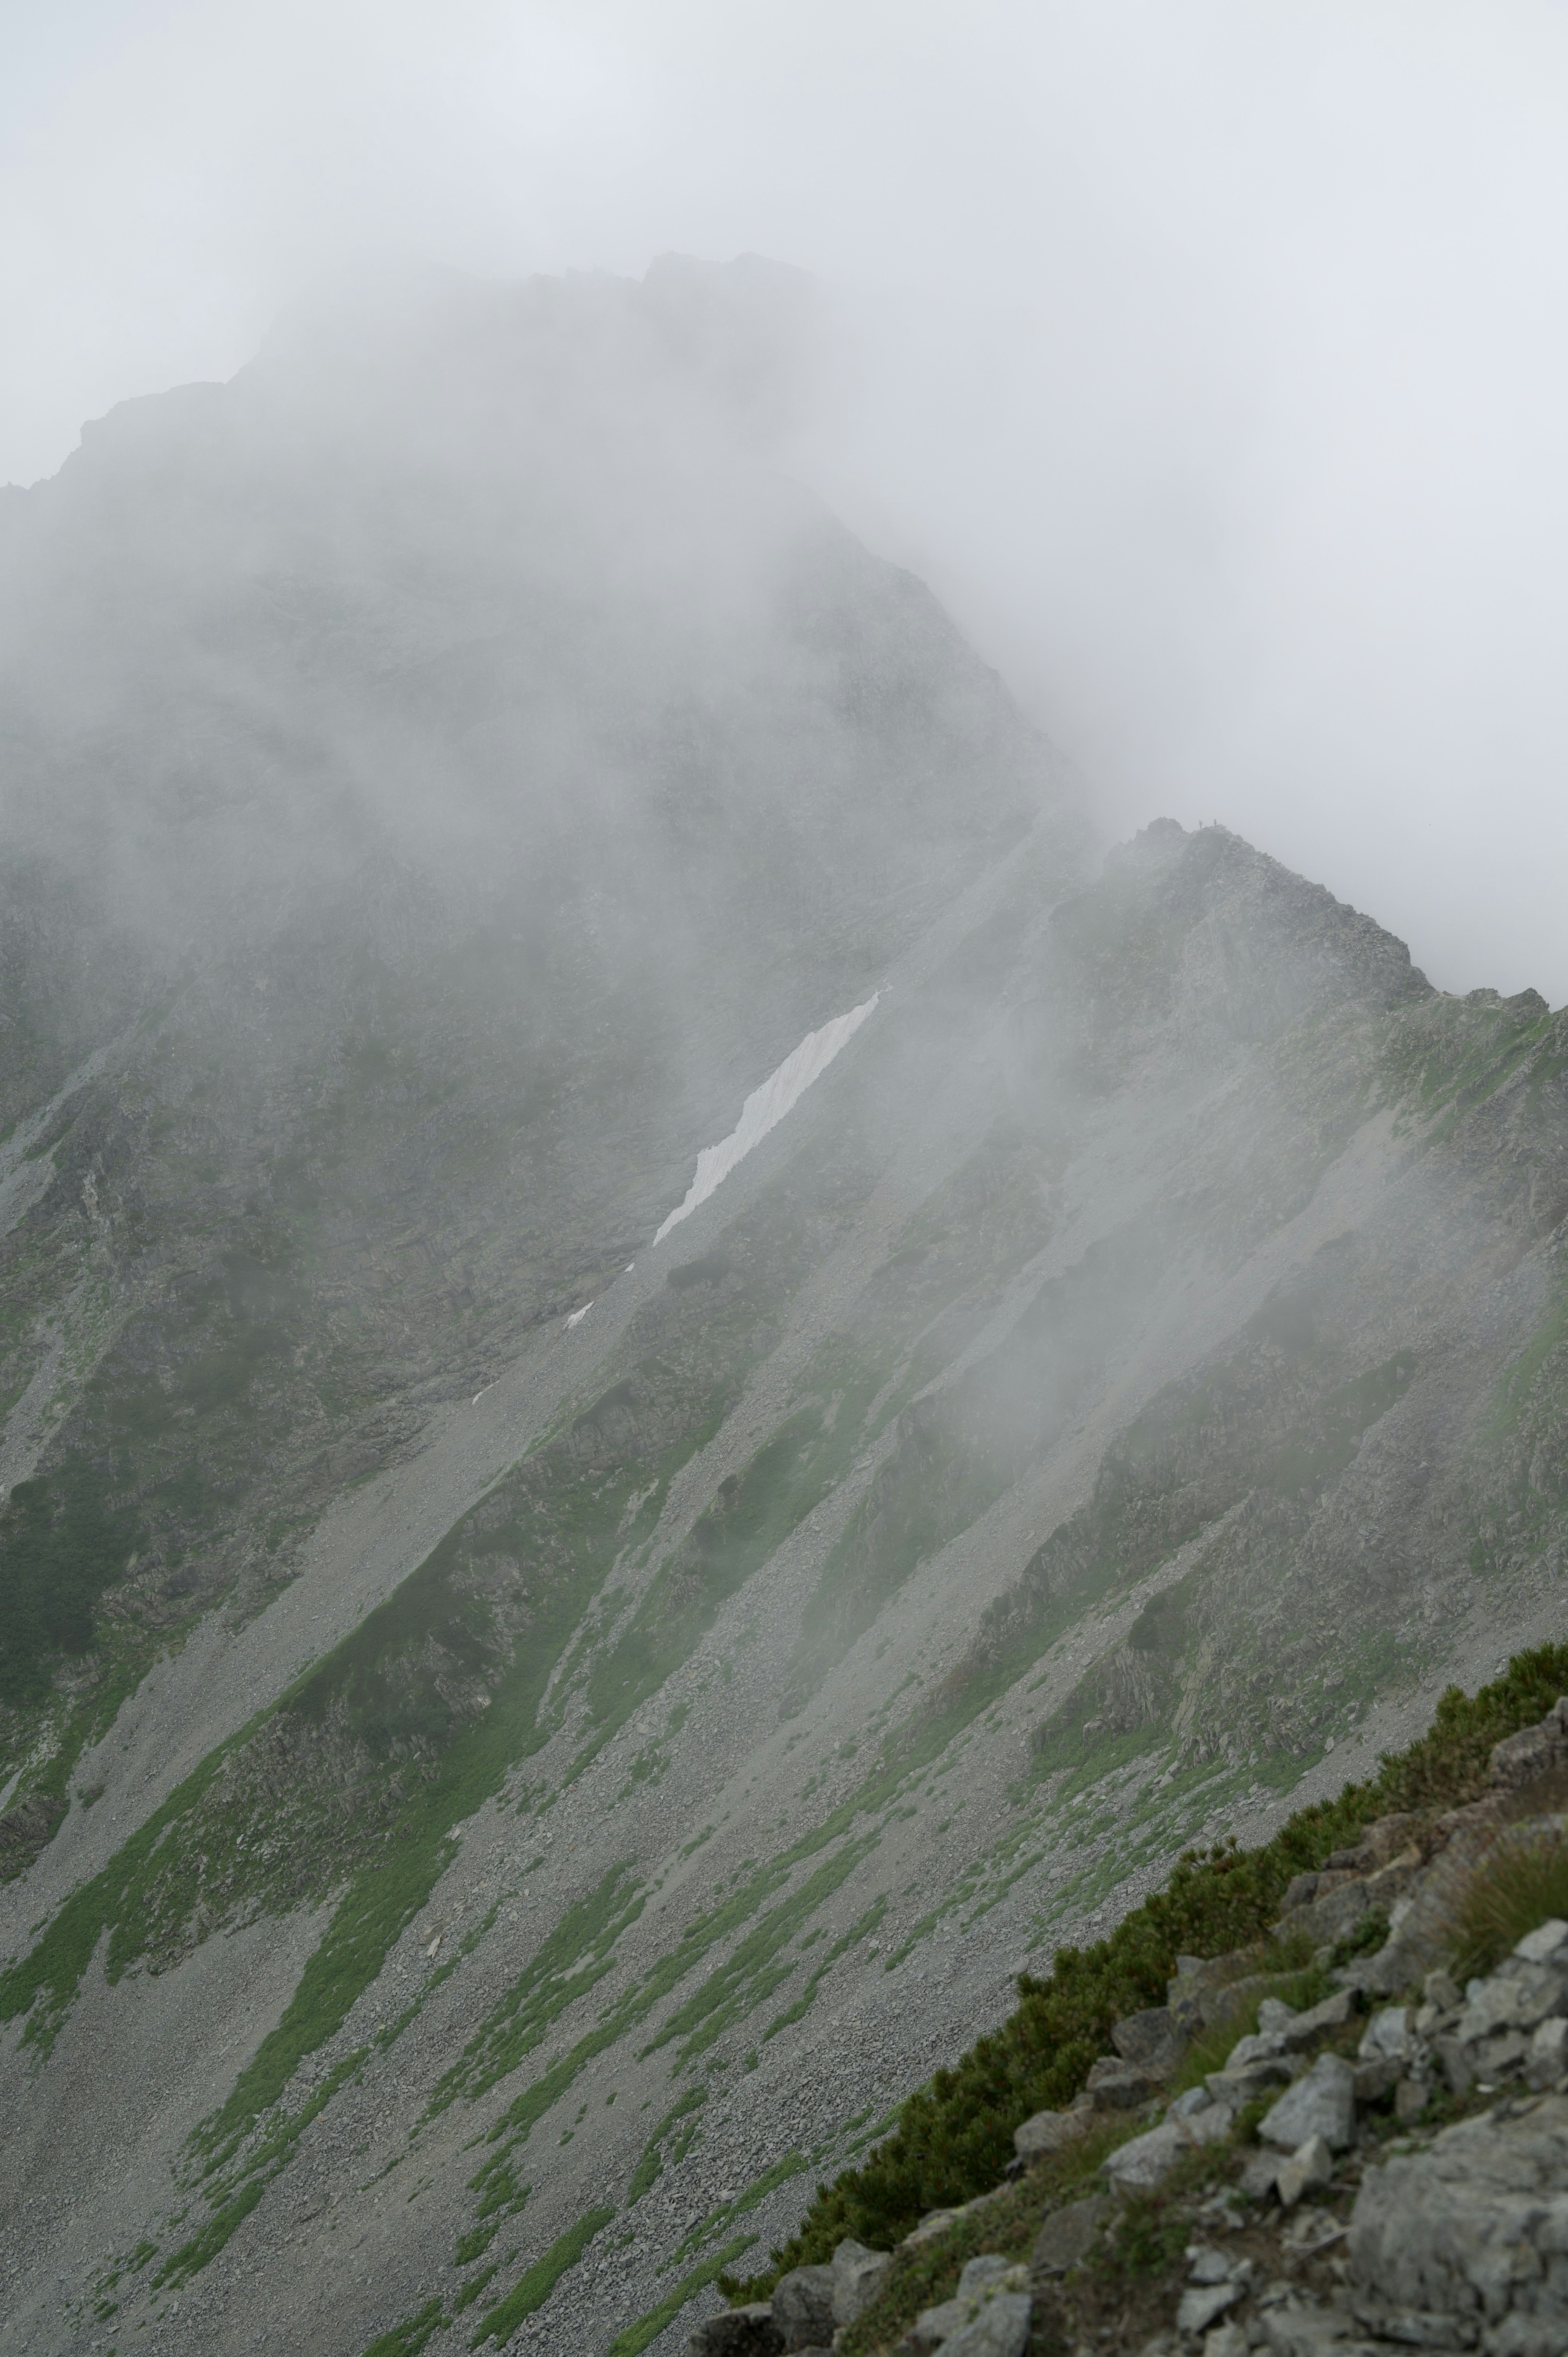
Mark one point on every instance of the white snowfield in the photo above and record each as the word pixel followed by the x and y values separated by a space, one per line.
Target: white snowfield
pixel 767 1107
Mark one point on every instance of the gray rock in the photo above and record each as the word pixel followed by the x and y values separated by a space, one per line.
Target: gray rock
pixel 1264 2045
pixel 1410 2099
pixel 1001 2330
pixel 1535 1751
pixel 1475 2229
pixel 1387 2035
pixel 1048 2132
pixel 803 2306
pixel 1323 2104
pixel 1209 2266
pixel 738 2332
pixel 1548 1944
pixel 1375 2079
pixel 1320 2020
pixel 1148 2159
pixel 933 2326
pixel 1547 2056
pixel 1275 2017
pixel 1515 1998
pixel 858 2277
pixel 1245 2086
pixel 1067 2235
pixel 1440 1988
pixel 1152 2040
pixel 1312 2164
pixel 1118 2086
pixel 1202 2305
pixel 991 2271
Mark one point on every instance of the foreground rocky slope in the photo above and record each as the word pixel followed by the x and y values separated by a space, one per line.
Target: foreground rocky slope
pixel 1346 2178
pixel 498 1808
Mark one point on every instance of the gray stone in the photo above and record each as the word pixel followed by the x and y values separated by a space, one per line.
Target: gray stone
pixel 1411 2098
pixel 1148 2159
pixel 1194 2099
pixel 1387 2034
pixel 1245 2086
pixel 1319 2020
pixel 1208 2266
pixel 1548 2057
pixel 1001 2330
pixel 1458 2068
pixel 1066 2234
pixel 1515 1998
pixel 1118 2086
pixel 1226 2341
pixel 738 2332
pixel 1441 1989
pixel 1547 1944
pixel 1201 2304
pixel 858 2275
pixel 991 2271
pixel 803 2306
pixel 1311 2165
pixel 1048 2132
pixel 1152 2040
pixel 1375 2079
pixel 1476 2228
pixel 1275 2017
pixel 1264 2045
pixel 935 2325
pixel 1535 1751
pixel 1260 2174
pixel 1323 2104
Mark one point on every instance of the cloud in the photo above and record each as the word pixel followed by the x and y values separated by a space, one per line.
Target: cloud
pixel 1209 362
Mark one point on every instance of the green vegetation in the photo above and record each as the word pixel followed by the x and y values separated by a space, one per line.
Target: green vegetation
pixel 650 2167
pixel 954 2136
pixel 637 2337
pixel 1513 1890
pixel 535 2285
pixel 63 1540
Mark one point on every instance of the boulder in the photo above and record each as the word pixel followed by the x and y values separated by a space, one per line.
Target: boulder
pixel 1471 2232
pixel 1535 1751
pixel 1516 1997
pixel 1148 2159
pixel 1202 2305
pixel 1001 2328
pixel 1323 2104
pixel 738 2332
pixel 1152 2039
pixel 1312 2164
pixel 1118 2086
pixel 858 2275
pixel 1548 1944
pixel 1388 2035
pixel 1548 2057
pixel 1319 2020
pixel 803 2308
pixel 991 2273
pixel 1067 2235
pixel 1048 2132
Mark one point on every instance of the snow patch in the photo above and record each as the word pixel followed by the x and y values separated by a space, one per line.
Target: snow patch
pixel 577 1316
pixel 767 1107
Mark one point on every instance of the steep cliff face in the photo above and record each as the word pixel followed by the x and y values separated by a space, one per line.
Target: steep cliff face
pixel 496 1807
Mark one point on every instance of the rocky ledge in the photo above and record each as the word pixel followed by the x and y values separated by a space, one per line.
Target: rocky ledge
pixel 1380 2169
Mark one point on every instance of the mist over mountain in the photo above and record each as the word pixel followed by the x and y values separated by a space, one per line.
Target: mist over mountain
pixel 521 1744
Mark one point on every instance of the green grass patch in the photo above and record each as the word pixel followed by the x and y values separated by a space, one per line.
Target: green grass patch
pixel 637 2337
pixel 534 2287
pixel 1510 1893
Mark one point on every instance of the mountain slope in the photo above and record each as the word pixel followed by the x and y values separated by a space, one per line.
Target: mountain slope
pixel 500 1808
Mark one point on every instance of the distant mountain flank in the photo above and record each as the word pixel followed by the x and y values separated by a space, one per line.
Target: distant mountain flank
pixel 496 1803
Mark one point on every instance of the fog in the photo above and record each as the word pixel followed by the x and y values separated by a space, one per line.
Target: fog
pixel 1210 363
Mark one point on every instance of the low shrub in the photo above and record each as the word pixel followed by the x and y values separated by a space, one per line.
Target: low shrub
pixel 1513 1891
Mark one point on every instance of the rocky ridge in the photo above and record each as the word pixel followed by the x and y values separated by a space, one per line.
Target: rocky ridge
pixel 1328 2196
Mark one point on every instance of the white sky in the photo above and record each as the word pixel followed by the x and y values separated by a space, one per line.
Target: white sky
pixel 1217 358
